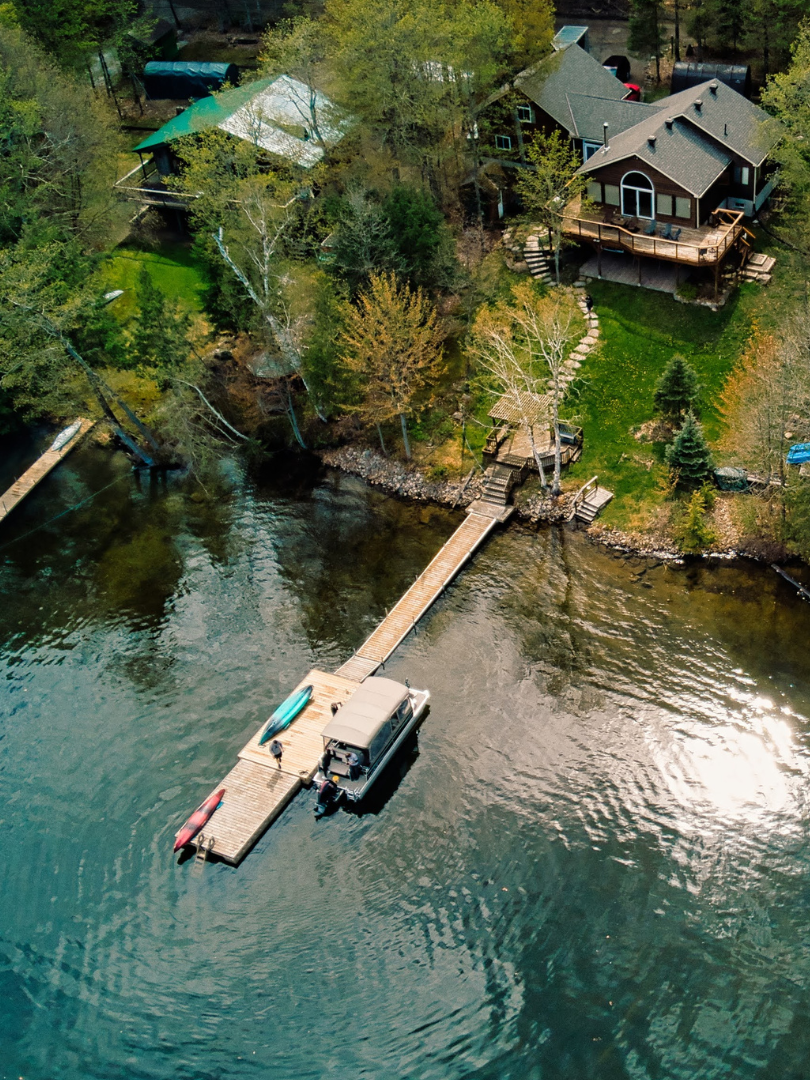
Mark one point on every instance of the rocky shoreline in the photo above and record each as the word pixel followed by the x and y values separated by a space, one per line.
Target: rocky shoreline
pixel 409 482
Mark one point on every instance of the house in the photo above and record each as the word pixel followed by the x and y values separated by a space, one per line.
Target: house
pixel 690 154
pixel 675 187
pixel 567 91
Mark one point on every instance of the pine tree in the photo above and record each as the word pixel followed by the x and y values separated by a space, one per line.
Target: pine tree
pixel 160 335
pixel 646 36
pixel 696 535
pixel 676 390
pixel 689 457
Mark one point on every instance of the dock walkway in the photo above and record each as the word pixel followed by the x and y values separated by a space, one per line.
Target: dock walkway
pixel 256 790
pixel 38 471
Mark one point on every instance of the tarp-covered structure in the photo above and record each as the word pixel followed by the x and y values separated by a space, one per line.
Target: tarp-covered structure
pixel 183 79
pixel 687 73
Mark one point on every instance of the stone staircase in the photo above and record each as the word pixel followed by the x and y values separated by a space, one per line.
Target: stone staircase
pixel 758 267
pixel 539 259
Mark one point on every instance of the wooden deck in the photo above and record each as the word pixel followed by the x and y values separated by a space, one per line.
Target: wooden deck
pixel 706 246
pixel 256 790
pixel 38 471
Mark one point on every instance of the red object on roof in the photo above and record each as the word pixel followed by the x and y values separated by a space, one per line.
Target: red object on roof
pixel 635 92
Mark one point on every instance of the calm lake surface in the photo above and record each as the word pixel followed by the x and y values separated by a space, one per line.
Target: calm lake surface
pixel 595 863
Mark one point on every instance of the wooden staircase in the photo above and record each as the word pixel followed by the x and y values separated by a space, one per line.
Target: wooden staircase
pixel 589 501
pixel 498 483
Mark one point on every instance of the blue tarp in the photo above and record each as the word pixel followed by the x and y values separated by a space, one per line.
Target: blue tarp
pixel 186 79
pixel 799 453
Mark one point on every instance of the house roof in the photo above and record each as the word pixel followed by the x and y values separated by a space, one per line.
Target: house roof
pixel 272 113
pixel 589 113
pixel 571 70
pixel 690 143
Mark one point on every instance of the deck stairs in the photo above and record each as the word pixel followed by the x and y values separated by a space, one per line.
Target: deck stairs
pixel 590 506
pixel 498 483
pixel 758 267
pixel 589 501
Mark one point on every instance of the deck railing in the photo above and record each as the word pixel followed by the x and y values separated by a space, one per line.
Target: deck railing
pixel 129 187
pixel 695 252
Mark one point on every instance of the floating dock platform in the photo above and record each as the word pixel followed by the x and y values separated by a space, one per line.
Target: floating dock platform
pixel 256 789
pixel 39 470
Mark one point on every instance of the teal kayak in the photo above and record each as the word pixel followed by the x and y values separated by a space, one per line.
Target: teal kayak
pixel 285 714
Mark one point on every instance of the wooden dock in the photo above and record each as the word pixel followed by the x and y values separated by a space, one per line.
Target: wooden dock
pixel 38 471
pixel 424 592
pixel 256 790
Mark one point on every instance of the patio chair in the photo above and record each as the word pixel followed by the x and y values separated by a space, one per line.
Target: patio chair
pixel 667 233
pixel 676 232
pixel 649 228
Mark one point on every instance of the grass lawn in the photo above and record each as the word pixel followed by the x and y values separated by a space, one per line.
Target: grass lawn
pixel 640 331
pixel 173 269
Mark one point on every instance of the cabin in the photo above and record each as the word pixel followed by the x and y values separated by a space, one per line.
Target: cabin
pixel 282 117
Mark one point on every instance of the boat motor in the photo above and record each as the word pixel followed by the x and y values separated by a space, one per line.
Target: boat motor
pixel 327 793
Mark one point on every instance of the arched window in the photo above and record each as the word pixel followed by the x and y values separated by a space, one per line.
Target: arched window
pixel 637 195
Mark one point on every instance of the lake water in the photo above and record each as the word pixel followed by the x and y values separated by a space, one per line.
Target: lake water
pixel 593 864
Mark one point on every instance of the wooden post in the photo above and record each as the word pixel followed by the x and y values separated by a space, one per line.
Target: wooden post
pixel 639 269
pixel 716 280
pixel 599 260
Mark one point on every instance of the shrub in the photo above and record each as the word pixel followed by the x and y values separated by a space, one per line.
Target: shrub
pixel 696 535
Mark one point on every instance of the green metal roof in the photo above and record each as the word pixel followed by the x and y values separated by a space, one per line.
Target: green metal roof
pixel 203 114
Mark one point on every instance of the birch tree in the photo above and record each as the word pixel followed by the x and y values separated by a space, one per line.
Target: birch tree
pixel 392 341
pixel 523 347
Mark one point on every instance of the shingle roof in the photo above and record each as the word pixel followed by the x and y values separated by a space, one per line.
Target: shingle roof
pixel 728 117
pixel 261 111
pixel 693 149
pixel 680 152
pixel 571 70
pixel 589 113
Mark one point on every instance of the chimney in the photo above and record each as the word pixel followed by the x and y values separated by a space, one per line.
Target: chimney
pixel 698 104
pixel 605 135
pixel 713 87
pixel 651 141
pixel 668 122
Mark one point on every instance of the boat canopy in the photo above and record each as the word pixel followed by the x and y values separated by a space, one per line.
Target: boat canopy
pixel 365 713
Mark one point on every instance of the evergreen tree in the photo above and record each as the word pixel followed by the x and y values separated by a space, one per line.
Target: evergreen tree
pixel 689 457
pixel 696 535
pixel 160 335
pixel 676 390
pixel 646 30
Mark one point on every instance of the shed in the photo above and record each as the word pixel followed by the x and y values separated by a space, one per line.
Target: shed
pixel 181 79
pixel 571 35
pixel 686 74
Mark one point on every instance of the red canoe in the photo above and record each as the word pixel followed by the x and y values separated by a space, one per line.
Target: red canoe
pixel 200 816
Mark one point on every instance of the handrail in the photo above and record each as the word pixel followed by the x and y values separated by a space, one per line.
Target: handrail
pixel 581 494
pixel 643 244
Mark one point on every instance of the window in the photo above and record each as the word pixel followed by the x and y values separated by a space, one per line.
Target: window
pixel 683 207
pixel 612 194
pixel 594 191
pixel 741 175
pixel 524 114
pixel 663 205
pixel 637 195
pixel 589 149
pixel 503 142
